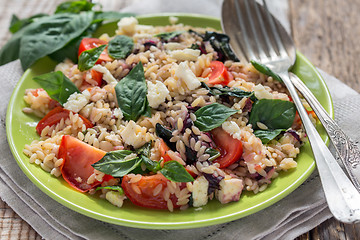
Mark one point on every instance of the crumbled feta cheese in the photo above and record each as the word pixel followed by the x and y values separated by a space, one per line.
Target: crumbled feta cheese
pixel 261 92
pixel 200 191
pixel 127 26
pixel 77 101
pixel 232 128
pixel 184 73
pixel 133 134
pixel 230 190
pixel 115 198
pixel 107 76
pixel 118 113
pixel 185 54
pixel 157 93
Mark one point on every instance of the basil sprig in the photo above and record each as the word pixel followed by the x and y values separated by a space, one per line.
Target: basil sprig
pixel 120 47
pixel 276 114
pixel 114 163
pixel 88 58
pixel 131 94
pixel 168 35
pixel 212 116
pixel 57 85
pixel 265 70
pixel 226 91
pixel 214 153
pixel 176 172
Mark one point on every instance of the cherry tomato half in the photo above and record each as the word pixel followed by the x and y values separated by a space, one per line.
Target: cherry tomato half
pixel 230 148
pixel 90 43
pixel 55 116
pixel 219 74
pixel 146 185
pixel 164 151
pixel 78 157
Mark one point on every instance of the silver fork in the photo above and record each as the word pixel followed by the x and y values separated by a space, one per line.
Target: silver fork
pixel 257 37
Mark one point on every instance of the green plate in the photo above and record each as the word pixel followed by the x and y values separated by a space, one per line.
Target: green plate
pixel 20 129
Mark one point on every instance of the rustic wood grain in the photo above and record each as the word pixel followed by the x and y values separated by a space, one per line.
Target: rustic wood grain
pixel 327 32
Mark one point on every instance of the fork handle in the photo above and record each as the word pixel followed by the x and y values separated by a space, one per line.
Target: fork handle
pixel 341 195
pixel 347 151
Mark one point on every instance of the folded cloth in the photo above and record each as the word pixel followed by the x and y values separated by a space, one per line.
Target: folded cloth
pixel 295 214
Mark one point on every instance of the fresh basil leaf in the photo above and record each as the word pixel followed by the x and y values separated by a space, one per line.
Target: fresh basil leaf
pixel 226 91
pixel 120 47
pixel 110 16
pixel 176 172
pixel 267 135
pixel 221 44
pixel 88 58
pixel 114 163
pixel 10 51
pixel 212 116
pixel 214 153
pixel 131 93
pixel 265 70
pixel 49 34
pixel 274 113
pixel 145 149
pixel 166 135
pixel 151 165
pixel 16 24
pixel 74 6
pixel 113 188
pixel 166 36
pixel 57 85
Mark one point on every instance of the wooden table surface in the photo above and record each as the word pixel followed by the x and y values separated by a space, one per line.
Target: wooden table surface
pixel 325 31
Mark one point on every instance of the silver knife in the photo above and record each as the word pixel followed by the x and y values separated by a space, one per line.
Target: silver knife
pixel 346 149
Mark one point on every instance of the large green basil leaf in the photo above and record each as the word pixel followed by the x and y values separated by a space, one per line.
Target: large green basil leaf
pixel 131 94
pixel 267 135
pixel 120 47
pixel 49 34
pixel 10 51
pixel 88 58
pixel 114 163
pixel 16 24
pixel 168 35
pixel 74 6
pixel 265 70
pixel 176 172
pixel 274 113
pixel 212 116
pixel 226 91
pixel 57 85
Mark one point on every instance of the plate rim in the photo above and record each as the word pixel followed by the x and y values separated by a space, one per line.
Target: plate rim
pixel 159 225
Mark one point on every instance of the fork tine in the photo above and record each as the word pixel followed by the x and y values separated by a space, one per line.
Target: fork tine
pixel 248 51
pixel 274 31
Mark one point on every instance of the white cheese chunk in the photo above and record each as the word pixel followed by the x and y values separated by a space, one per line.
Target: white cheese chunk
pixel 230 190
pixel 157 93
pixel 127 26
pixel 107 76
pixel 184 73
pixel 200 190
pixel 133 134
pixel 77 101
pixel 185 54
pixel 115 198
pixel 173 46
pixel 261 92
pixel 118 113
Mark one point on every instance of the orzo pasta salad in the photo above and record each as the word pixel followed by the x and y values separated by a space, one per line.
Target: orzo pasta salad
pixel 163 116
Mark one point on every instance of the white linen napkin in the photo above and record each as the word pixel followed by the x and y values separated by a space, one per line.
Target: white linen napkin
pixel 295 214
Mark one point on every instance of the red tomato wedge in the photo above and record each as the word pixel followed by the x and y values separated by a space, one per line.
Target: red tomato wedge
pixel 90 43
pixel 230 148
pixel 219 74
pixel 164 151
pixel 97 76
pixel 55 116
pixel 78 157
pixel 146 186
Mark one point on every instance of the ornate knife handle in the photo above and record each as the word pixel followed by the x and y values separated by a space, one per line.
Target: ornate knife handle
pixel 347 150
